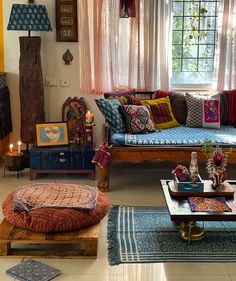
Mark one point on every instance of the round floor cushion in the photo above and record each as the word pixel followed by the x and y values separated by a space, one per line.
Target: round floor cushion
pixel 55 219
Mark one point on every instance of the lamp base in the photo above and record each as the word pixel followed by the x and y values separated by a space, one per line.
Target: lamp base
pixel 30 87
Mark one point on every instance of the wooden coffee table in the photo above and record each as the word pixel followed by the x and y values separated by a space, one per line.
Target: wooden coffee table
pixel 180 211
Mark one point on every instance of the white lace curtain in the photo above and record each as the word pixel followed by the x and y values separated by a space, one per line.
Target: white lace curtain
pixel 225 58
pixel 120 53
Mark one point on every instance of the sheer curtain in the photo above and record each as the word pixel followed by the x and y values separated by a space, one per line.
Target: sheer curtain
pixel 225 58
pixel 125 53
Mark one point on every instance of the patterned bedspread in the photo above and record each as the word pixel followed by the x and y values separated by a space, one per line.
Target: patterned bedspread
pixel 59 195
pixel 178 136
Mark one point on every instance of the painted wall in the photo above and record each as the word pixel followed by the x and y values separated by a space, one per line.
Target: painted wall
pixel 52 65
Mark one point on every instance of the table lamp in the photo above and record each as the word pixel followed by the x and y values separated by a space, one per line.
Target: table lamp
pixel 30 17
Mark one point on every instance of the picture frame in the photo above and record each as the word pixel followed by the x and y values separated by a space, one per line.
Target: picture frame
pixel 66 21
pixel 51 134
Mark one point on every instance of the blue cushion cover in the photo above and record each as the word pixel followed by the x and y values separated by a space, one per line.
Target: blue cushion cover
pixel 110 110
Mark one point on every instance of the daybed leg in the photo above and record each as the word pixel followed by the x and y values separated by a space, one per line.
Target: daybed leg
pixel 103 182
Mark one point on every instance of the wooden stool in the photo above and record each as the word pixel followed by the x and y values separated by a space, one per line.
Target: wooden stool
pixel 71 244
pixel 13 162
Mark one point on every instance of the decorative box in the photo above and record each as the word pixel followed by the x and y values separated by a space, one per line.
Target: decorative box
pixel 189 186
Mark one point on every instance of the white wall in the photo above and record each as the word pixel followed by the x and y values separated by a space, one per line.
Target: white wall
pixel 52 65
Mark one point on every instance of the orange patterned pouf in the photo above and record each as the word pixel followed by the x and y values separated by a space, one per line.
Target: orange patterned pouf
pixel 55 219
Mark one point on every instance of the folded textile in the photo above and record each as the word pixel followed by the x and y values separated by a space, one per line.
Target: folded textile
pixel 102 156
pixel 211 205
pixel 58 195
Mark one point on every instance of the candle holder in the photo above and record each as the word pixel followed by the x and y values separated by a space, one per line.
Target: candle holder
pixel 89 134
pixel 19 147
pixel 89 117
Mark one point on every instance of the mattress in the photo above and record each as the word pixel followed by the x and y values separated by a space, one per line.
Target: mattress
pixel 178 136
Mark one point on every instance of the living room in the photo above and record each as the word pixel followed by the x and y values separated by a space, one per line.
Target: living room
pixel 160 55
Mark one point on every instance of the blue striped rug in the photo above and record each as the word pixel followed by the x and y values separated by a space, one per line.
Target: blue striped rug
pixel 147 235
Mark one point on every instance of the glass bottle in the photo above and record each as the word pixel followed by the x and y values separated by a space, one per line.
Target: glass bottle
pixel 193 167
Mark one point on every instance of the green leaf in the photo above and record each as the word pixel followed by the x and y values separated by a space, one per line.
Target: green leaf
pixel 203 11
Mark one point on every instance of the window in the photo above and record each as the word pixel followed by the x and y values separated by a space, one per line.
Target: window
pixel 194 40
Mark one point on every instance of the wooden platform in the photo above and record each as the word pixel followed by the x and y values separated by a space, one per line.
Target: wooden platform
pixel 18 242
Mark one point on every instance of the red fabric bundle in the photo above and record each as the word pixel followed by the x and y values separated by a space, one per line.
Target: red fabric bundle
pixel 102 156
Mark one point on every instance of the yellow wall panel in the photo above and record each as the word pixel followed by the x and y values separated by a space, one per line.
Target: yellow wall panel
pixel 1 38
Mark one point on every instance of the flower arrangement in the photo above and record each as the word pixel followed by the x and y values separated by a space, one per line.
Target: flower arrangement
pixel 216 163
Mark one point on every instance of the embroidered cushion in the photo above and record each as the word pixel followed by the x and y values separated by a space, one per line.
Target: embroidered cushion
pixel 203 110
pixel 55 219
pixel 110 110
pixel 137 119
pixel 161 113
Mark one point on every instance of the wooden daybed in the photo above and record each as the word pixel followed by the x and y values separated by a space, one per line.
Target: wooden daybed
pixel 153 154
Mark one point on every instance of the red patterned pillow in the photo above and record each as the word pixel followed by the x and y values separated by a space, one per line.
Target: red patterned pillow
pixel 137 119
pixel 55 219
pixel 161 112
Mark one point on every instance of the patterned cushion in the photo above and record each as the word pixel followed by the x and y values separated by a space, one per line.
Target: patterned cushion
pixel 162 94
pixel 121 99
pixel 137 119
pixel 55 219
pixel 203 110
pixel 110 110
pixel 55 194
pixel 160 114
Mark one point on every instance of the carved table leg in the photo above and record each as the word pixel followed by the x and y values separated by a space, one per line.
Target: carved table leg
pixel 103 182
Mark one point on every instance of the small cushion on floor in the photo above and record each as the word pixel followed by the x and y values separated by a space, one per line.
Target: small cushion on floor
pixel 55 219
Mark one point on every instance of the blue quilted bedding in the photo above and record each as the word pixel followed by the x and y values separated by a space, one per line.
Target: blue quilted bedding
pixel 178 136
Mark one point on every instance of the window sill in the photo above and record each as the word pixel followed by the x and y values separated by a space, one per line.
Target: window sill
pixel 192 87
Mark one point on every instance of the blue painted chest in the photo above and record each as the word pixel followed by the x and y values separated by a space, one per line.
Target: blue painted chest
pixel 61 159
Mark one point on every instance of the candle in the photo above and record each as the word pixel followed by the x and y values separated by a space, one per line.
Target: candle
pixel 11 147
pixel 18 146
pixel 89 117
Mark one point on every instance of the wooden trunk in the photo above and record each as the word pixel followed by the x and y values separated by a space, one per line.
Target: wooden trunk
pixel 31 87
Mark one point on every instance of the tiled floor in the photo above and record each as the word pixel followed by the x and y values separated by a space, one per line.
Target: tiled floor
pixel 129 185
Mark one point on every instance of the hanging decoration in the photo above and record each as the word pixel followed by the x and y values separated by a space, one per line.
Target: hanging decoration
pixel 67 57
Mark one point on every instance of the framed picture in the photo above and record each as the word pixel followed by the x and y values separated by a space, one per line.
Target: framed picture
pixel 66 20
pixel 51 134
